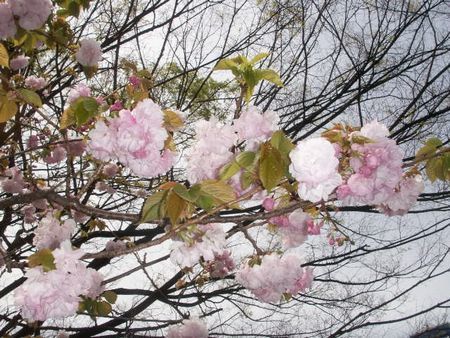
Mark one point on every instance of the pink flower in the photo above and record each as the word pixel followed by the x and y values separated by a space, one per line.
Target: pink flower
pixel 274 276
pixel 404 196
pixel 56 293
pixel 377 167
pixel 315 166
pixel 75 148
pixel 7 25
pixel 110 170
pixel 209 240
pixel 50 233
pixel 115 246
pixel 210 151
pixel 32 142
pixel 135 138
pixel 190 328
pixel 36 83
pixel 221 266
pixel 80 90
pixel 134 80
pixel 90 53
pixel 116 106
pixel 57 155
pixel 268 204
pixel 14 182
pixel 32 13
pixel 254 126
pixel 19 62
pixel 28 212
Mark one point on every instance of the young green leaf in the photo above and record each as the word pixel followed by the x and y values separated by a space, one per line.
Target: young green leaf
pixel 30 97
pixel 271 166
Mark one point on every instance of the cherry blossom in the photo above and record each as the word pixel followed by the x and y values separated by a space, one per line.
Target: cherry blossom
pixel 19 62
pixel 36 83
pixel 208 240
pixel 210 151
pixel 135 138
pixel 80 90
pixel 13 181
pixel 57 154
pixel 314 165
pixel 255 127
pixel 7 25
pixel 50 232
pixel 190 328
pixel 221 266
pixel 110 170
pixel 56 293
pixel 32 13
pixel 404 196
pixel 275 276
pixel 377 167
pixel 90 53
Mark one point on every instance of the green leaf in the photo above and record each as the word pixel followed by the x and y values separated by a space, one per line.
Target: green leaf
pixel 110 296
pixel 247 179
pixel 172 121
pixel 431 168
pixel 229 170
pixel 175 206
pixel 184 193
pixel 205 202
pixel 74 9
pixel 245 159
pixel 30 97
pixel 4 57
pixel 8 109
pixel 271 166
pixel 259 57
pixel 67 118
pixel 269 75
pixel 225 64
pixel 282 143
pixel 221 192
pixel 42 258
pixel 84 109
pixel 152 209
pixel 104 308
pixel 433 142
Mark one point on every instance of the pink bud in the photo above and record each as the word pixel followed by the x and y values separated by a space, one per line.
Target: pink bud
pixel 268 203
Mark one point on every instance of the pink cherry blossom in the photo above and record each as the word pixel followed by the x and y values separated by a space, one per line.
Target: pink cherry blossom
pixel 404 196
pixel 19 62
pixel 32 13
pixel 80 90
pixel 254 126
pixel 209 239
pixel 110 170
pixel 56 293
pixel 7 25
pixel 221 266
pixel 268 204
pixel 377 167
pixel 75 148
pixel 36 83
pixel 190 328
pixel 118 105
pixel 115 245
pixel 274 276
pixel 90 53
pixel 56 155
pixel 135 138
pixel 314 165
pixel 13 181
pixel 50 232
pixel 28 212
pixel 210 151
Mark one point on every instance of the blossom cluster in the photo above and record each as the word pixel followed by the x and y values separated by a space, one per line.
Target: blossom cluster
pixel 50 232
pixel 90 53
pixel 56 293
pixel 207 241
pixel 31 14
pixel 275 276
pixel 374 175
pixel 214 141
pixel 189 328
pixel 12 181
pixel 135 138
